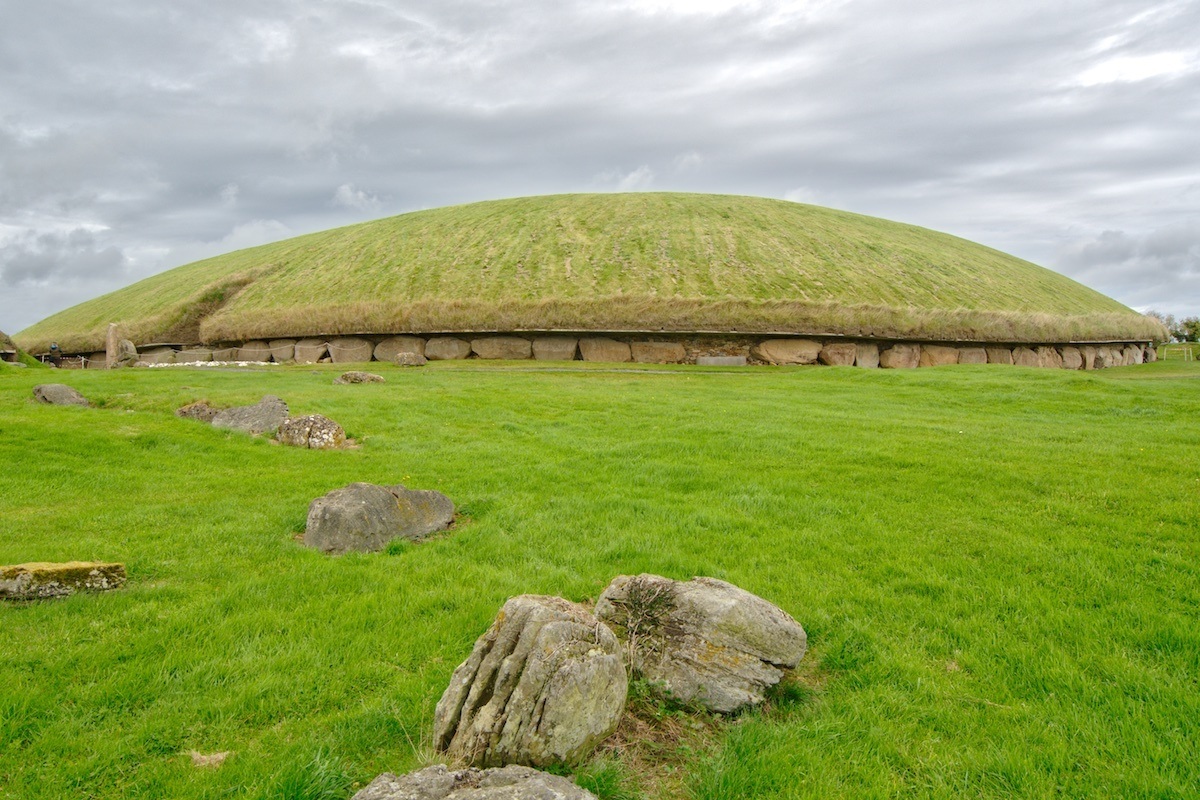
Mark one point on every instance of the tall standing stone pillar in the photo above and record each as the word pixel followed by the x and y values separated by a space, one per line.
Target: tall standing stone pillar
pixel 111 346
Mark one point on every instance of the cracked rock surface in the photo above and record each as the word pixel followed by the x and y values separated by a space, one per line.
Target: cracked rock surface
pixel 439 783
pixel 365 517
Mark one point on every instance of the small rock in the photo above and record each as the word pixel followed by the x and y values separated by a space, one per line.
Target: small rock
pixel 720 361
pixel 364 517
pixel 410 360
pixel 210 760
pixel 200 410
pixel 43 579
pixel 58 394
pixel 315 432
pixel 1151 355
pixel 513 782
pixel 357 377
pixel 265 416
pixel 787 351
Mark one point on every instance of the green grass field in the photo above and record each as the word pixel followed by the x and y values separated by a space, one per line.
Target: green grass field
pixel 998 569
pixel 608 262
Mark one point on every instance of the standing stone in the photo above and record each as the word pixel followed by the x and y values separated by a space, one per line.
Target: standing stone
pixel 316 432
pixel 112 343
pixel 509 348
pixel 972 355
pixel 555 348
pixel 600 348
pixel 999 355
pixel 787 351
pixel 310 351
pixel 866 355
pixel 1025 357
pixel 1049 358
pixel 513 782
pixel 545 685
pixel 901 356
pixel 58 394
pixel 364 517
pixel 705 641
pixel 41 579
pixel 838 354
pixel 283 350
pixel 388 349
pixel 657 352
pixel 1072 358
pixel 265 416
pixel 936 355
pixel 350 350
pixel 447 348
pixel 256 351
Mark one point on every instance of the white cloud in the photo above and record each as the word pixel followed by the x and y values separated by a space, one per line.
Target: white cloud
pixel 1132 69
pixel 347 196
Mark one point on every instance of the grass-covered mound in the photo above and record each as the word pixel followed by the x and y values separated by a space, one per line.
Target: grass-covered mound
pixel 998 571
pixel 607 262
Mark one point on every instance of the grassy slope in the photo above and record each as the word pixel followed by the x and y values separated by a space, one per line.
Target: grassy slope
pixel 631 261
pixel 997 568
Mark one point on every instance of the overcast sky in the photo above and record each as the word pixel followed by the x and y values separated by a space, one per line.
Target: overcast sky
pixel 136 136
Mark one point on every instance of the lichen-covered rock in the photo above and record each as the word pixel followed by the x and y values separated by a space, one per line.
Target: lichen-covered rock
pixel 200 410
pixel 513 782
pixel 364 517
pixel 545 685
pixel 41 579
pixel 706 641
pixel 937 355
pixel 601 348
pixel 314 431
pixel 357 377
pixel 59 394
pixel 787 351
pixel 657 352
pixel 555 348
pixel 838 354
pixel 509 348
pixel 867 355
pixel 265 416
pixel 900 356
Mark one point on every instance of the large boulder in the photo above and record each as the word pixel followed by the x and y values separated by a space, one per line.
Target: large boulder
pixel 158 355
pixel 545 685
pixel 193 355
pixel 97 361
pixel 310 351
pixel 283 350
pixel 513 782
pixel 1026 357
pixel 838 354
pixel 1133 354
pixel 314 431
pixel 388 349
pixel 41 579
pixel 410 360
pixel 705 642
pixel 555 348
pixel 600 348
pixel 937 355
pixel 1072 358
pixel 447 348
pixel 867 355
pixel 972 355
pixel 265 416
pixel 256 351
pixel 901 356
pixel 223 354
pixel 787 351
pixel 657 352
pixel 364 517
pixel 355 376
pixel 58 394
pixel 126 353
pixel 1089 356
pixel 350 350
pixel 1049 357
pixel 510 348
pixel 999 355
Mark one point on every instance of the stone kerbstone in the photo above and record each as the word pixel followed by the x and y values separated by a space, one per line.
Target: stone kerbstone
pixel 901 356
pixel 1049 358
pixel 705 641
pixel 1089 356
pixel 127 354
pixel 1151 355
pixel 315 432
pixel 388 349
pixel 265 416
pixel 447 348
pixel 157 355
pixel 364 517
pixel 545 685
pixel 98 361
pixel 310 351
pixel 1025 357
pixel 38 580
pixel 555 348
pixel 1133 354
pixel 59 394
pixel 283 350
pixel 867 355
pixel 787 351
pixel 509 348
pixel 657 352
pixel 936 355
pixel 1072 358
pixel 350 350
pixel 972 355
pixel 600 348
pixel 356 376
pixel 193 356
pixel 513 782
pixel 999 355
pixel 253 351
pixel 839 354
pixel 224 354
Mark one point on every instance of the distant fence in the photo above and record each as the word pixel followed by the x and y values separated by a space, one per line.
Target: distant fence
pixel 1185 351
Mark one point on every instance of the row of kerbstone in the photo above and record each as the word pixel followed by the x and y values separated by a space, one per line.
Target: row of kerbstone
pixel 911 355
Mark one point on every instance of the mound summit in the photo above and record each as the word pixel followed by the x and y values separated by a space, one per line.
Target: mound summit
pixel 644 262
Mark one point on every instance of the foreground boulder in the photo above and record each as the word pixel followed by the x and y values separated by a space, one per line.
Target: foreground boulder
pixel 199 410
pixel 545 685
pixel 41 579
pixel 364 517
pixel 439 783
pixel 705 642
pixel 265 416
pixel 59 394
pixel 315 432
pixel 357 377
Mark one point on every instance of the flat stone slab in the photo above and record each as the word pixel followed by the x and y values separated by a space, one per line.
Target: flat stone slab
pixel 357 377
pixel 59 394
pixel 721 361
pixel 41 579
pixel 364 517
pixel 439 783
pixel 265 416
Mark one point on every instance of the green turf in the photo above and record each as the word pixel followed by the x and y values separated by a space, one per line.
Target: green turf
pixel 998 568
pixel 607 262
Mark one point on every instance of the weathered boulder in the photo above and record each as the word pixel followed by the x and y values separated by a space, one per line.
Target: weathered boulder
pixel 1151 354
pixel 193 356
pixel 600 348
pixel 364 517
pixel 555 348
pixel 265 416
pixel 283 350
pixel 502 347
pixel 447 348
pixel 972 355
pixel 657 352
pixel 1089 356
pixel 513 782
pixel 900 356
pixel 787 351
pixel 58 394
pixel 314 431
pixel 545 685
pixel 350 350
pixel 224 354
pixel 41 579
pixel 253 351
pixel 410 360
pixel 355 376
pixel 388 349
pixel 1133 354
pixel 838 354
pixel 200 410
pixel 936 355
pixel 999 355
pixel 97 361
pixel 1072 358
pixel 867 355
pixel 157 355
pixel 127 354
pixel 1049 358
pixel 310 351
pixel 1025 357
pixel 706 641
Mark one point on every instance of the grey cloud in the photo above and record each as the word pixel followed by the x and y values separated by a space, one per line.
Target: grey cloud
pixel 58 257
